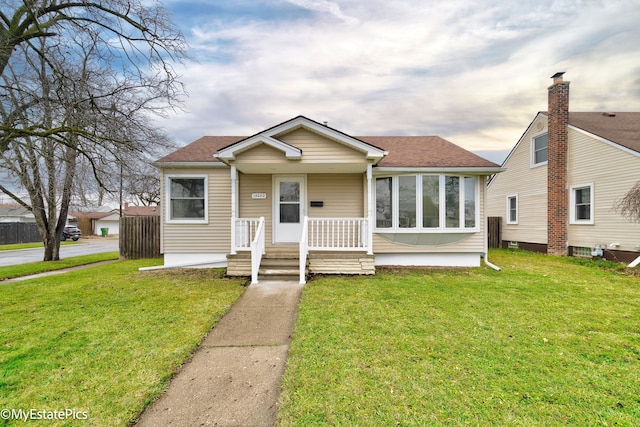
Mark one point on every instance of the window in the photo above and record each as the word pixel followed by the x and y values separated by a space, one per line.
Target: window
pixel 426 202
pixel 407 202
pixel 430 201
pixel 581 209
pixel 187 199
pixel 512 209
pixel 540 149
pixel 384 198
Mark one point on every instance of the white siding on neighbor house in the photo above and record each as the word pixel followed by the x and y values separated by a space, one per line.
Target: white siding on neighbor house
pixel 213 237
pixel 473 242
pixel 612 172
pixel 529 184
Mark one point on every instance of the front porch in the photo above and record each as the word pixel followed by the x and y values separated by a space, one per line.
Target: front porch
pixel 327 246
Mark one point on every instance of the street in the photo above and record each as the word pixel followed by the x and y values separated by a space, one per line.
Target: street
pixel 85 247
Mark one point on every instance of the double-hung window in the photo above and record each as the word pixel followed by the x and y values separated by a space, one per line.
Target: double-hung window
pixel 187 199
pixel 427 202
pixel 581 204
pixel 512 209
pixel 540 149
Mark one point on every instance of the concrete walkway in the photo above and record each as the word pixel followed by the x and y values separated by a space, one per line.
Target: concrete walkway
pixel 234 378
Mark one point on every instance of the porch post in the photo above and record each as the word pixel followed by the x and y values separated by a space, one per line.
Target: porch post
pixel 234 210
pixel 369 210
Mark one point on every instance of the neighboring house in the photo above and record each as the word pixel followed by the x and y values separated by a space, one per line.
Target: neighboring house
pixel 563 178
pixel 307 191
pixel 15 213
pixel 111 219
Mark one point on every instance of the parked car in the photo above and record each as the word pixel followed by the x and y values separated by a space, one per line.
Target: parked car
pixel 71 232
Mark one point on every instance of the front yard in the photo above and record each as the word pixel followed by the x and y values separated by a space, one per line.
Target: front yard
pixel 104 341
pixel 546 341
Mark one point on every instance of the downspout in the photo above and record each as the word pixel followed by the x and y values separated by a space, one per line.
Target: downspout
pixel 486 234
pixel 634 262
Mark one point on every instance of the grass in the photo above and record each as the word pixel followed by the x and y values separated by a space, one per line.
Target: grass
pixel 545 341
pixel 11 271
pixel 35 245
pixel 105 340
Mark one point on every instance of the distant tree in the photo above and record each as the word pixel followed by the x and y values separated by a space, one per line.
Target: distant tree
pixel 629 205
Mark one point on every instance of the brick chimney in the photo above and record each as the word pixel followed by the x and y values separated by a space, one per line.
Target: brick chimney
pixel 557 188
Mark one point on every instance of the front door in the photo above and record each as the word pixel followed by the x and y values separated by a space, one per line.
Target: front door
pixel 288 209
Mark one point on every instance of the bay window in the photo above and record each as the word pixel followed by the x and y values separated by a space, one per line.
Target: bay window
pixel 427 202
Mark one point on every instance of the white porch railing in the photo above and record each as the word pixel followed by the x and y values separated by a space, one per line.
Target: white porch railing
pixel 245 232
pixel 257 250
pixel 333 234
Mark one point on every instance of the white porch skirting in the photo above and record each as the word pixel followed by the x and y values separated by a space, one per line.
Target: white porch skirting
pixel 202 260
pixel 430 260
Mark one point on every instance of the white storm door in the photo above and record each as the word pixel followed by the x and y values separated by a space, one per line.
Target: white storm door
pixel 288 209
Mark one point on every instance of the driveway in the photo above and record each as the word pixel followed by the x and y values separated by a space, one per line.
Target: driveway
pixel 85 247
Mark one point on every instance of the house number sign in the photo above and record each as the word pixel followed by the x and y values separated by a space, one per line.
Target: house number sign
pixel 258 195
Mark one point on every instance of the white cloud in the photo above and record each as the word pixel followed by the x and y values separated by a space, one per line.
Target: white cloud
pixel 472 72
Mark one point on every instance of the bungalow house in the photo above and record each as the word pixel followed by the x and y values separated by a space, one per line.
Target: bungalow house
pixel 562 181
pixel 326 201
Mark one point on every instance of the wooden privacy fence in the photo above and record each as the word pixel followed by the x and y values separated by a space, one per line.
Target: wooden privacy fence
pixel 139 237
pixel 494 225
pixel 19 232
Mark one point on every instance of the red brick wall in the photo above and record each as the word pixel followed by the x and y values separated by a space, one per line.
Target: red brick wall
pixel 558 196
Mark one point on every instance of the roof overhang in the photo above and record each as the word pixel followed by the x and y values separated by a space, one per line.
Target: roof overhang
pixel 184 165
pixel 454 170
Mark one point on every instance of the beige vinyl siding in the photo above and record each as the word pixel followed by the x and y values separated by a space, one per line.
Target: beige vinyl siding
pixel 473 243
pixel 214 237
pixel 613 172
pixel 341 194
pixel 255 208
pixel 317 149
pixel 261 154
pixel 529 184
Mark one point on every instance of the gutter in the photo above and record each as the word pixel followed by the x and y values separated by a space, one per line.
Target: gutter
pixel 634 262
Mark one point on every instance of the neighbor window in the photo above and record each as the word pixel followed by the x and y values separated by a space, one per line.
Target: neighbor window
pixel 540 152
pixel 512 209
pixel 187 198
pixel 426 202
pixel 581 209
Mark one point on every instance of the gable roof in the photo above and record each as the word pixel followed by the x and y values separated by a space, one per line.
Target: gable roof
pixel 387 151
pixel 621 128
pixel 270 138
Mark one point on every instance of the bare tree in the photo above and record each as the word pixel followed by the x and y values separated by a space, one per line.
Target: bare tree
pixel 629 205
pixel 134 36
pixel 93 113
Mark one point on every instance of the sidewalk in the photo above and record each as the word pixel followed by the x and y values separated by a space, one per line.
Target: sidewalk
pixel 234 378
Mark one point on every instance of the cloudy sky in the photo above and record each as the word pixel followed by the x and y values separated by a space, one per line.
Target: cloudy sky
pixel 474 72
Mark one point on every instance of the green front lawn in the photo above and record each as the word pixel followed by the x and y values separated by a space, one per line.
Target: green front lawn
pixel 19 270
pixel 545 341
pixel 105 340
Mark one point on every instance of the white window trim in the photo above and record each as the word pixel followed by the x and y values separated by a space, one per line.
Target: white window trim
pixel 509 197
pixel 533 150
pixel 168 219
pixel 572 204
pixel 395 205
